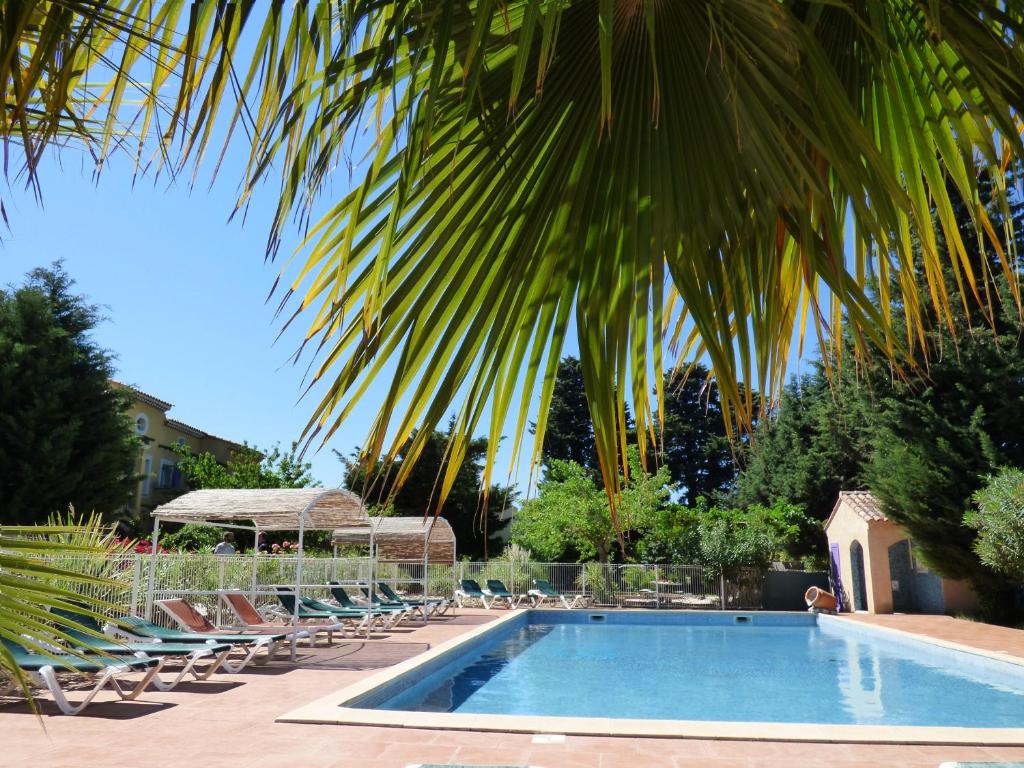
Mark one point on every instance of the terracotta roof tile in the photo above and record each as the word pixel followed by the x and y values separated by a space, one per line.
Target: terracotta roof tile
pixel 863 503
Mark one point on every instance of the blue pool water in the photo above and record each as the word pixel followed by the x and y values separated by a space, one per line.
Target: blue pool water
pixel 705 666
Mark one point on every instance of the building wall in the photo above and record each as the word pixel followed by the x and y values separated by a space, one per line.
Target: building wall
pixel 881 536
pixel 959 597
pixel 161 482
pixel 847 527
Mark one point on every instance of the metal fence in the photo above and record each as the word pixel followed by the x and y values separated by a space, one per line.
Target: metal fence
pixel 201 577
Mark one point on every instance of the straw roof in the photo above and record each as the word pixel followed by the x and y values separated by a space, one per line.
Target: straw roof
pixel 269 508
pixel 404 538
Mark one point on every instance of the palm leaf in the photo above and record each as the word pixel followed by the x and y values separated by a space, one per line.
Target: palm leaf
pixel 72 563
pixel 680 172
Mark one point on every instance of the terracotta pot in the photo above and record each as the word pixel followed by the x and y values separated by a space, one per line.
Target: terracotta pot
pixel 820 599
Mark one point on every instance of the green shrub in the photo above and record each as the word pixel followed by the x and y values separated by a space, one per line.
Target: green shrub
pixel 999 521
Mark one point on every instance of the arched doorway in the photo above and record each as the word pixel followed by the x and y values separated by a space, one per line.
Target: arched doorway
pixel 901 573
pixel 860 589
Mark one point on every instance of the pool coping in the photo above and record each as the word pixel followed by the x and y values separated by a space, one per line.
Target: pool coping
pixel 331 709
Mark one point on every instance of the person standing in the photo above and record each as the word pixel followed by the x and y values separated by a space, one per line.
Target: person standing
pixel 227 546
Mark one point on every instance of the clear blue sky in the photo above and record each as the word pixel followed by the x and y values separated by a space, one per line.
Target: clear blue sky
pixel 184 293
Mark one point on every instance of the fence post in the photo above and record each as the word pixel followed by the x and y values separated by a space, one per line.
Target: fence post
pixel 721 590
pixel 136 583
pixel 657 588
pixel 220 584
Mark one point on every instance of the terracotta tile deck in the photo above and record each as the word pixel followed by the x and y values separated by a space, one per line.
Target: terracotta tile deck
pixel 230 722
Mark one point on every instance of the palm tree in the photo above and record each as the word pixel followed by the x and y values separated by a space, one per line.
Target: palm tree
pixel 656 174
pixel 72 563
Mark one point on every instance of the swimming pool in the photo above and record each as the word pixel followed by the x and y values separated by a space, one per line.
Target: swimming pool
pixel 698 673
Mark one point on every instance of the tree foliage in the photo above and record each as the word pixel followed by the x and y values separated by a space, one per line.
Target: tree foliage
pixel 727 538
pixel 695 447
pixel 629 166
pixel 569 430
pixel 247 467
pixel 999 521
pixel 570 514
pixel 65 435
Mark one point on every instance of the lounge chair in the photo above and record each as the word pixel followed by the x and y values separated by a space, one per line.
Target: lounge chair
pixel 191 620
pixel 366 619
pixel 134 628
pixel 393 614
pixel 496 590
pixel 470 590
pixel 42 668
pixel 190 655
pixel 435 607
pixel 409 608
pixel 356 619
pixel 250 618
pixel 542 590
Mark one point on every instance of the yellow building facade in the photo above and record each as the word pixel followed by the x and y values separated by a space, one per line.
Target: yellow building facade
pixel 160 435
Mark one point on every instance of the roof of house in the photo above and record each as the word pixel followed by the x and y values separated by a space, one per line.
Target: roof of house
pixel 863 503
pixel 164 406
pixel 268 508
pixel 144 397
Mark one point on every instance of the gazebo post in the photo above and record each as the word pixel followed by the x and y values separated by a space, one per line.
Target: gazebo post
pixel 373 560
pixel 298 586
pixel 151 582
pixel 255 552
pixel 426 568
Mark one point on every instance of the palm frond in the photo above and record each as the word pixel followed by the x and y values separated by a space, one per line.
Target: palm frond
pixel 624 170
pixel 72 563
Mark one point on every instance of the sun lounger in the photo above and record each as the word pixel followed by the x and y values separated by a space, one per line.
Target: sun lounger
pixel 433 606
pixel 190 655
pixel 356 618
pixel 542 590
pixel 191 620
pixel 393 614
pixel 134 628
pixel 470 590
pixel 496 590
pixel 250 618
pixel 43 667
pixel 392 604
pixel 366 620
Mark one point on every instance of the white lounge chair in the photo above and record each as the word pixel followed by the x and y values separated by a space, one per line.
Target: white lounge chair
pixel 104 670
pixel 542 590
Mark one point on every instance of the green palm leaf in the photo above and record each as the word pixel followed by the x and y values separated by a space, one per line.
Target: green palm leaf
pixel 635 172
pixel 72 563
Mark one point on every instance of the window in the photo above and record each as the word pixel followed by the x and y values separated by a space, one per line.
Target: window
pixel 168 474
pixel 141 423
pixel 179 442
pixel 147 470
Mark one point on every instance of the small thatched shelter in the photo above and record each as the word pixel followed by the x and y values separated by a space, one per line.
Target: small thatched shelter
pixel 404 539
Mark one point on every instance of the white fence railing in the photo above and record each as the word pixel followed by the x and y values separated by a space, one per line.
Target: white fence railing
pixel 202 576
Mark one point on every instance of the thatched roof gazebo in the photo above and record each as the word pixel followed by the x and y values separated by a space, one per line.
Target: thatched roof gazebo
pixel 268 509
pixel 401 539
pixel 264 509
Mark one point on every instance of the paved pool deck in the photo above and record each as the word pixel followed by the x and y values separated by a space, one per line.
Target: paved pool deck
pixel 230 721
